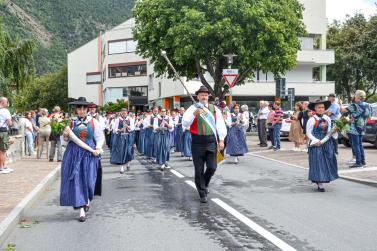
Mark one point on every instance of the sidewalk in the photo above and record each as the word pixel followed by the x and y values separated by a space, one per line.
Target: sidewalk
pixel 366 175
pixel 20 187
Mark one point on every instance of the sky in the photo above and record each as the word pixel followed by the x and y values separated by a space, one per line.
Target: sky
pixel 338 9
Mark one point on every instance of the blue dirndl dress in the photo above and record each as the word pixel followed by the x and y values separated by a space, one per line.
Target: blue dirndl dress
pixel 163 147
pixel 187 142
pixel 236 140
pixel 119 147
pixel 323 166
pixel 79 168
pixel 130 141
pixel 141 146
pixel 179 136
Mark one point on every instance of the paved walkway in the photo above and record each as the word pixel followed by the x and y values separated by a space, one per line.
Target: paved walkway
pixel 287 155
pixel 14 187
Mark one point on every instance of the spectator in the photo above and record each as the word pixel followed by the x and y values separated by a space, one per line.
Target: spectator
pixel 56 145
pixel 270 120
pixel 277 124
pixel 5 123
pixel 38 115
pixel 359 111
pixel 43 132
pixel 305 115
pixel 296 134
pixel 261 122
pixel 28 129
pixel 334 113
pixel 245 112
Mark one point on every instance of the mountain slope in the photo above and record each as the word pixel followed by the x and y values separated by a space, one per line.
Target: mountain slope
pixel 58 27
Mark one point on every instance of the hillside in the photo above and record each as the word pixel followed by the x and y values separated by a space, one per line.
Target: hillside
pixel 58 27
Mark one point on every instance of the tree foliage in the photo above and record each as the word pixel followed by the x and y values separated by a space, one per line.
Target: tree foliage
pixel 16 63
pixel 355 45
pixel 197 33
pixel 46 91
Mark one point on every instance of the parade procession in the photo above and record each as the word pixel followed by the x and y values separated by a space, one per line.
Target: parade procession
pixel 188 125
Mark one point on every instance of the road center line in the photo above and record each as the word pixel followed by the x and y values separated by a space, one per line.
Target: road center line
pixel 191 183
pixel 254 226
pixel 179 175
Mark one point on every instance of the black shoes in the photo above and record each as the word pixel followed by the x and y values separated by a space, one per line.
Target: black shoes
pixel 82 219
pixel 263 145
pixel 321 189
pixel 204 199
pixel 356 166
pixel 51 160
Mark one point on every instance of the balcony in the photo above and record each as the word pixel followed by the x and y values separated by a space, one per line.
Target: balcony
pixel 301 88
pixel 316 57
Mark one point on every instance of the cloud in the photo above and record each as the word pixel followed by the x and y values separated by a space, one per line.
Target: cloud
pixel 338 9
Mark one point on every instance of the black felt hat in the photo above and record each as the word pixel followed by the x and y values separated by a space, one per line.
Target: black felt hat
pixel 202 89
pixel 81 101
pixel 319 101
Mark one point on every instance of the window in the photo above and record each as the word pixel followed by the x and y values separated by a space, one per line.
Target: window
pixel 93 78
pixel 135 91
pixel 127 70
pixel 307 43
pixel 122 46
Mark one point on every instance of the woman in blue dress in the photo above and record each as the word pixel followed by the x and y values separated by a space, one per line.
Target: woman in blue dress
pixel 179 132
pixel 187 143
pixel 119 147
pixel 165 126
pixel 236 141
pixel 79 166
pixel 323 166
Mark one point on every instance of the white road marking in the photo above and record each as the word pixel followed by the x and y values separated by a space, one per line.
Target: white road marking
pixel 278 161
pixel 191 183
pixel 179 175
pixel 254 226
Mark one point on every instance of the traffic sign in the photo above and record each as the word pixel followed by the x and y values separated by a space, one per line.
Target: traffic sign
pixel 230 76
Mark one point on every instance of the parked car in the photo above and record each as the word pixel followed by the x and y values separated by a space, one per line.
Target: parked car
pixel 286 124
pixel 371 129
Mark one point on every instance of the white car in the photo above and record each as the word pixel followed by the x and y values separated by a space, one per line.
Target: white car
pixel 286 124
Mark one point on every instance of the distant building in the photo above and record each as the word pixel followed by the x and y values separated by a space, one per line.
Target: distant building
pixel 107 69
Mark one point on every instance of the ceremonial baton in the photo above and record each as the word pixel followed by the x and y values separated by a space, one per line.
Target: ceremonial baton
pixel 164 54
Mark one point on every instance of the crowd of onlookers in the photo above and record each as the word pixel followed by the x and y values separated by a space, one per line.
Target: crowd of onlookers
pixel 35 126
pixel 270 117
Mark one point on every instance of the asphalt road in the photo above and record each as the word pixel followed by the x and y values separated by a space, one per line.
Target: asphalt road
pixel 146 209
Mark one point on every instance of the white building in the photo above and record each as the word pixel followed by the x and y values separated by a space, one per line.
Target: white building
pixel 107 69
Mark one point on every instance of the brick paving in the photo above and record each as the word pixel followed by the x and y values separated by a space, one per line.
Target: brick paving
pixel 14 187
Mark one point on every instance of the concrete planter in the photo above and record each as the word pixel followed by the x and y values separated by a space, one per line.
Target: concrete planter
pixel 17 149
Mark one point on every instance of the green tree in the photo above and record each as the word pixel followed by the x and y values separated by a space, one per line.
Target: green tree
pixel 16 61
pixel 355 45
pixel 196 34
pixel 46 91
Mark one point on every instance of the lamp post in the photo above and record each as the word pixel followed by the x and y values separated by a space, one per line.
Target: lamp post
pixel 230 58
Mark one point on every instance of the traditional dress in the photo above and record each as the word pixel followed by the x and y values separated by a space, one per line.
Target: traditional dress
pixel 119 146
pixel 187 143
pixel 323 167
pixel 236 141
pixel 204 143
pixel 141 146
pixel 130 139
pixel 163 145
pixel 79 167
pixel 179 135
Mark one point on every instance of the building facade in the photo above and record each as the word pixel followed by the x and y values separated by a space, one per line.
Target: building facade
pixel 107 69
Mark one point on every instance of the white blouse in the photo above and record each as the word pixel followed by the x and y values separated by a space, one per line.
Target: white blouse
pixel 310 128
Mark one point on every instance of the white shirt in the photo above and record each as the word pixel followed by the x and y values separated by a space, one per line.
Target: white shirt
pixel 189 117
pixel 310 128
pixel 263 113
pixel 169 121
pixel 121 120
pixel 28 127
pixel 4 116
pixel 99 136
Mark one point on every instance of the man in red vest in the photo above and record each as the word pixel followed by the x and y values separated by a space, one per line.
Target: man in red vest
pixel 208 130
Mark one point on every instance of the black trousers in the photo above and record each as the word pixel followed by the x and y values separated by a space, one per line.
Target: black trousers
pixel 108 138
pixel 262 131
pixel 204 153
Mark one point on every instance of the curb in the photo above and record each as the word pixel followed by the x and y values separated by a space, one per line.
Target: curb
pixel 361 181
pixel 12 220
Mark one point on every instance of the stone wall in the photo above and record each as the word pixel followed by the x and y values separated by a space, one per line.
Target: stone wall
pixel 17 149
